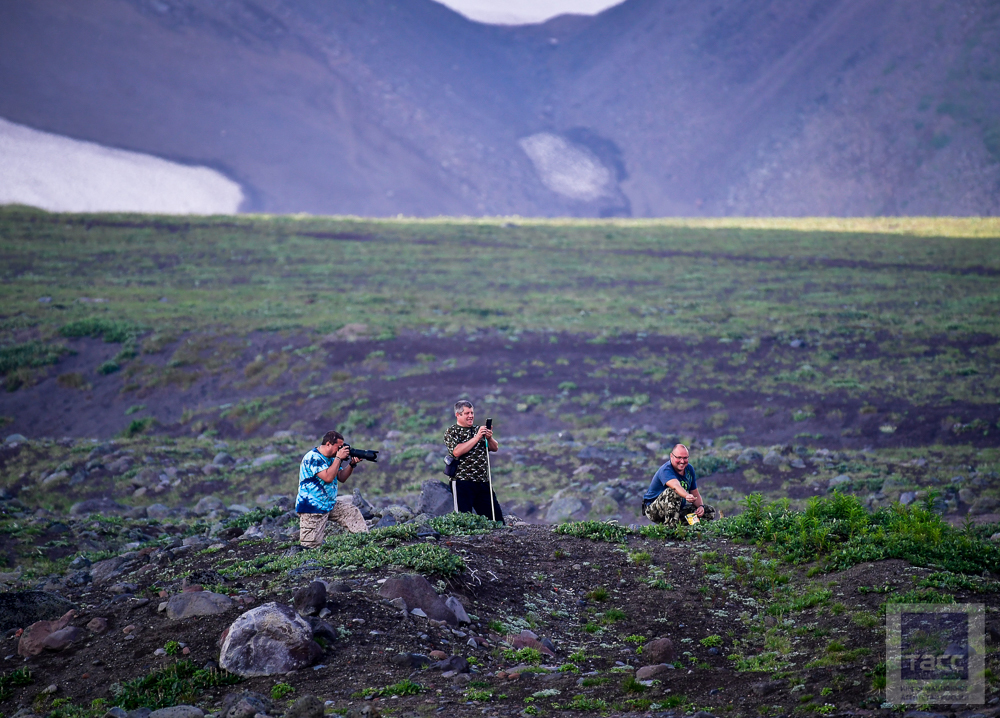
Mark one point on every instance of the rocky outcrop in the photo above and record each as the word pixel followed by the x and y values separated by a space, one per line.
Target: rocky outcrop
pixel 35 637
pixel 416 592
pixel 435 499
pixel 23 608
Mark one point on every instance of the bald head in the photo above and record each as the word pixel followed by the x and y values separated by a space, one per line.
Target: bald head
pixel 679 457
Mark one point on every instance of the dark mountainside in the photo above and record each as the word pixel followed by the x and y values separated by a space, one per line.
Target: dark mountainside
pixel 651 108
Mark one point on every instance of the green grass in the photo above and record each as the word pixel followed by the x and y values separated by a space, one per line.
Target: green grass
pixel 28 354
pixel 8 681
pixel 178 683
pixel 594 530
pixel 405 687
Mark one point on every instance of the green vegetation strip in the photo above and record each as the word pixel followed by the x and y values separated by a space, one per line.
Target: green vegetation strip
pixel 841 533
pixel 379 547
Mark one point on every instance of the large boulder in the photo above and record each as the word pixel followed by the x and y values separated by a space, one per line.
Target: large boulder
pixel 435 499
pixel 19 609
pixel 660 650
pixel 35 636
pixel 197 603
pixel 268 640
pixel 773 458
pixel 97 506
pixel 417 592
pixel 749 456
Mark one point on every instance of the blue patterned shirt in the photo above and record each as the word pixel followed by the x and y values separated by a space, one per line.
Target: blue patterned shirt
pixel 688 481
pixel 315 495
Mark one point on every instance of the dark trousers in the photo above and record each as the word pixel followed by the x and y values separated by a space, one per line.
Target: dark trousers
pixel 475 497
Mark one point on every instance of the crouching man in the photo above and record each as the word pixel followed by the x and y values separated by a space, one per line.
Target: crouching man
pixel 673 493
pixel 321 470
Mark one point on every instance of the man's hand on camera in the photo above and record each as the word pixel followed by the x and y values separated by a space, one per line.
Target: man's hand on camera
pixel 355 461
pixel 343 453
pixel 483 432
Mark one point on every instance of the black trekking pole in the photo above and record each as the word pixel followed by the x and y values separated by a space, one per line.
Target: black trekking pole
pixel 489 473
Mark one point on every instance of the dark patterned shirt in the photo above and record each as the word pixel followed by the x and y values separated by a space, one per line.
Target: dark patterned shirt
pixel 472 466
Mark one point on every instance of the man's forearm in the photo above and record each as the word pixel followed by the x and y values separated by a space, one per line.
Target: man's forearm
pixel 464 447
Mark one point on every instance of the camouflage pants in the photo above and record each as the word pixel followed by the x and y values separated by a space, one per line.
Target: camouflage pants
pixel 666 509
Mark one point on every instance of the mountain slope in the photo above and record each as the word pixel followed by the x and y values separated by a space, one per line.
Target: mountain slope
pixel 650 108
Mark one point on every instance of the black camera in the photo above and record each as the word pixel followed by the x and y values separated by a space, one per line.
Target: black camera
pixel 365 454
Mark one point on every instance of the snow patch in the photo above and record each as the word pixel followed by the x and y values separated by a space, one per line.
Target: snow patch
pixel 568 169
pixel 61 174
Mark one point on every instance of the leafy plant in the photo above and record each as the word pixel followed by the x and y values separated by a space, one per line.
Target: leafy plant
pixel 280 690
pixel 594 530
pixel 8 681
pixel 405 687
pixel 711 641
pixel 181 682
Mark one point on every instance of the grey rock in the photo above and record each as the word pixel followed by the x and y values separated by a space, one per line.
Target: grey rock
pixel 16 438
pixel 399 512
pixel 456 607
pixel 435 499
pixel 311 599
pixel 63 638
pixel 238 509
pixel 245 704
pixel 766 688
pixel 411 660
pixel 966 496
pixel 838 481
pixel 797 463
pixel 116 712
pixel 197 603
pixel 104 572
pixel 208 504
pixel 773 458
pixel 211 469
pixel 984 505
pixel 307 706
pixel 265 459
pixel 749 456
pixel 387 520
pixel 268 640
pixel 660 650
pixel 995 537
pixel 97 506
pixel 648 673
pixel 223 459
pixel 733 446
pixel 80 562
pixel 562 509
pixel 458 664
pixel 158 512
pixel 363 505
pixel 907 497
pixel 415 590
pixel 181 711
pixel 139 713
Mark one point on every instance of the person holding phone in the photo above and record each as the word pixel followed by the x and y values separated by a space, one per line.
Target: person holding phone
pixel 468 443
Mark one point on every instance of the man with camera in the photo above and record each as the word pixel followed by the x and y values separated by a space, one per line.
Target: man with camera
pixel 471 487
pixel 673 493
pixel 322 468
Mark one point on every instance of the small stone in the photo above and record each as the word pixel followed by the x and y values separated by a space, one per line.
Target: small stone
pixel 181 711
pixel 128 629
pixel 648 673
pixel 97 625
pixel 418 612
pixel 438 655
pixel 160 652
pixel 838 481
pixel 50 689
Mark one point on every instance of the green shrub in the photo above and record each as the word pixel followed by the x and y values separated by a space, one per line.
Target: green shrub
pixel 138 426
pixel 631 685
pixel 252 518
pixel 179 683
pixel 594 530
pixel 531 656
pixel 462 524
pixel 405 687
pixel 28 354
pixel 711 641
pixel 280 690
pixel 109 367
pixel 839 530
pixel 113 331
pixel 172 648
pixel 17 677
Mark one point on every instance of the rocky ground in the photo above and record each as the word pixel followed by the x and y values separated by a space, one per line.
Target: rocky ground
pixel 521 619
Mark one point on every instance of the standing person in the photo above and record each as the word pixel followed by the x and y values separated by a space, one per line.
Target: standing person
pixel 673 492
pixel 321 469
pixel 468 443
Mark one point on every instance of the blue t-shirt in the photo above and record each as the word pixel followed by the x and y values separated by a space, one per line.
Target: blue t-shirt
pixel 315 495
pixel 664 474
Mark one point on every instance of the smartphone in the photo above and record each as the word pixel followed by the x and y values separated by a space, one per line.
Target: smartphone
pixel 489 424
